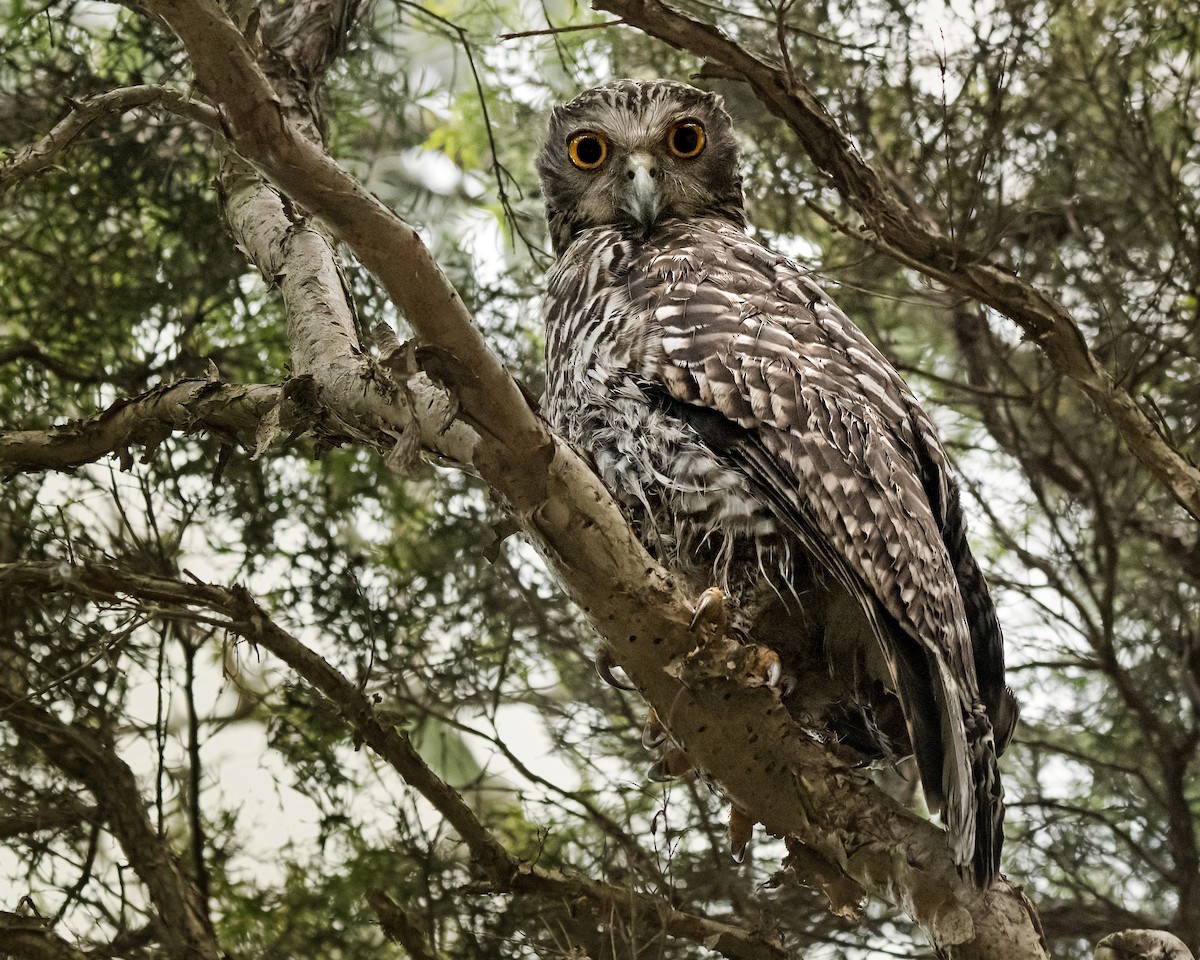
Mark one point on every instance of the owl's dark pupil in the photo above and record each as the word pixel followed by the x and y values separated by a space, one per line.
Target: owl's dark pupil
pixel 589 150
pixel 685 139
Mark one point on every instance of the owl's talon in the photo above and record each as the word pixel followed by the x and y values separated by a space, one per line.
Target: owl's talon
pixel 764 665
pixel 672 765
pixel 604 668
pixel 710 611
pixel 654 734
pixel 741 831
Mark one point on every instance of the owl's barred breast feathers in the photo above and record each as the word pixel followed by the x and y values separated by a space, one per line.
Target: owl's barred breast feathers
pixel 759 441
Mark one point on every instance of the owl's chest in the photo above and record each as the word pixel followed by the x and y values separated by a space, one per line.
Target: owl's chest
pixel 688 505
pixel 605 394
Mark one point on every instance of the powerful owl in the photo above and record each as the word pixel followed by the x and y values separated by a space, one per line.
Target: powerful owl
pixel 758 442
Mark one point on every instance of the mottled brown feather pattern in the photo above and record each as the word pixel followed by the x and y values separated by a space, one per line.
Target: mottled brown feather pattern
pixel 759 441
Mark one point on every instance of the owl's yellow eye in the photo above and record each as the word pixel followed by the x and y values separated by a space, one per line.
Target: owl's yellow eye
pixel 686 139
pixel 588 149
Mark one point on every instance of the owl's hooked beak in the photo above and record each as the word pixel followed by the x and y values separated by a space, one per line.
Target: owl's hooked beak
pixel 642 199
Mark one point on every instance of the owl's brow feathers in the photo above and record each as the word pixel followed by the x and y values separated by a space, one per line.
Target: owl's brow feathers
pixel 629 112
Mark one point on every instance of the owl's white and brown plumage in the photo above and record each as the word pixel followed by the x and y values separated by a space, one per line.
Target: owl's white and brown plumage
pixel 758 441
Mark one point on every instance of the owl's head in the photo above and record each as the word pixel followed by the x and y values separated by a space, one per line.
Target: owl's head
pixel 632 152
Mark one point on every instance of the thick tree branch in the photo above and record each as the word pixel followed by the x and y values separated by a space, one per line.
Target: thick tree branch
pixel 45 818
pixel 1142 945
pixel 1092 922
pixel 234 413
pixel 256 416
pixel 914 240
pixel 399 926
pixel 393 409
pixel 262 132
pixel 786 781
pixel 81 754
pixel 32 938
pixel 311 34
pixel 31 353
pixel 394 406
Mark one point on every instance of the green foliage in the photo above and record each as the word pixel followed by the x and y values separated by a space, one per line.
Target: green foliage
pixel 1058 140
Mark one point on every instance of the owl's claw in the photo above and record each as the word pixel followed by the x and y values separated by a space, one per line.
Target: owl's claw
pixel 654 734
pixel 766 667
pixel 741 831
pixel 604 667
pixel 672 765
pixel 710 611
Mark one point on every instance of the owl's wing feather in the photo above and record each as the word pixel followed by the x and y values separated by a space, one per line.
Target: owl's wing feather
pixel 828 432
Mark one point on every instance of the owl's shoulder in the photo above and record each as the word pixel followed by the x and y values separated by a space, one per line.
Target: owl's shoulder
pixel 711 276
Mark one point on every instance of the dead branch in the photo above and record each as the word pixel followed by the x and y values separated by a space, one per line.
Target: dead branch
pixel 43 154
pixel 233 413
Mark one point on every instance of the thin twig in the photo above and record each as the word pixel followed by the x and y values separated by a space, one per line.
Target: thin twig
pixel 498 168
pixel 554 31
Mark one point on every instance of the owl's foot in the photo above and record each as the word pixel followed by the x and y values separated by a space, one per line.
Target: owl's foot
pixel 672 765
pixel 654 734
pixel 710 616
pixel 741 831
pixel 604 668
pixel 765 665
pixel 711 619
pixel 672 762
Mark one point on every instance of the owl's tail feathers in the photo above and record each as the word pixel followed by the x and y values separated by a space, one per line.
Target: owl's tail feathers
pixel 954 744
pixel 989 733
pixel 971 796
pixel 989 799
pixel 1004 718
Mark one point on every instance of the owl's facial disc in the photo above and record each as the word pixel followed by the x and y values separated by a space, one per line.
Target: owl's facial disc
pixel 632 153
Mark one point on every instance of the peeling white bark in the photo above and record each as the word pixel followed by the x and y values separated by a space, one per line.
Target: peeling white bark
pixel 292 254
